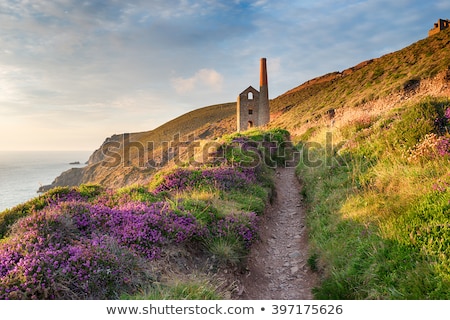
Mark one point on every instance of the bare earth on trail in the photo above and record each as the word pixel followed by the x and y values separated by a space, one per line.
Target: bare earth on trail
pixel 277 264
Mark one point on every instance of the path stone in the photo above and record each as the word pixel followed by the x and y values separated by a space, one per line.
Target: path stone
pixel 277 264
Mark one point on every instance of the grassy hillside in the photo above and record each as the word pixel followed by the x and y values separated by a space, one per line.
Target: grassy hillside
pixel 375 148
pixel 379 213
pixel 395 76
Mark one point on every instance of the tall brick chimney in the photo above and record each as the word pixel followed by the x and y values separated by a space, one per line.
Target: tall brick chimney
pixel 264 112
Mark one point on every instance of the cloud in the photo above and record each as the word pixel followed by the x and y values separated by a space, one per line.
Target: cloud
pixel 115 65
pixel 208 79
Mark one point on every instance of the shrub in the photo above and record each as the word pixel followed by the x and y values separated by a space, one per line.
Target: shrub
pixel 224 178
pixel 243 226
pixel 204 212
pixel 416 122
pixel 226 249
pixel 10 216
pixel 190 290
pixel 90 191
pixel 139 193
pixel 431 147
pixel 72 240
pixel 47 258
pixel 255 147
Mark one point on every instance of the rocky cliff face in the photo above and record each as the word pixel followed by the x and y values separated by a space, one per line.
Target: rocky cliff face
pixel 71 177
pixel 98 155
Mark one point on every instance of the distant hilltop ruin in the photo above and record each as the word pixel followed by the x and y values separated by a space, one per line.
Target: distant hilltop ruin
pixel 253 105
pixel 439 26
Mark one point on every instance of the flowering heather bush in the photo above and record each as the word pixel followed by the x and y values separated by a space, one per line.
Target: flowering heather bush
pixel 72 195
pixel 10 216
pixel 141 224
pixel 47 258
pixel 443 146
pixel 430 147
pixel 447 114
pixel 138 226
pixel 224 178
pixel 243 225
pixel 74 249
pixel 65 250
pixel 442 184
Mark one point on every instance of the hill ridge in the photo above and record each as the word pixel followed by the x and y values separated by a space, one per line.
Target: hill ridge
pixel 298 110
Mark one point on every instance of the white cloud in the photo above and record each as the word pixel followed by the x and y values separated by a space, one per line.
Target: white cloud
pixel 203 79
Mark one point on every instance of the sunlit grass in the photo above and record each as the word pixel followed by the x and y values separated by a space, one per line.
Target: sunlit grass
pixel 179 290
pixel 227 250
pixel 380 226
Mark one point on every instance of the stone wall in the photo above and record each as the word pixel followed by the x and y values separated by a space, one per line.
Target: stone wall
pixel 439 26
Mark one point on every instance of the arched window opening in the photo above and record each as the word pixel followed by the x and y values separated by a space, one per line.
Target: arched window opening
pixel 250 96
pixel 250 124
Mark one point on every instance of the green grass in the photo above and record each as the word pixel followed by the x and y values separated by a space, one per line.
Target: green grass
pixel 252 199
pixel 227 250
pixel 380 225
pixel 9 216
pixel 191 290
pixel 203 211
pixel 140 193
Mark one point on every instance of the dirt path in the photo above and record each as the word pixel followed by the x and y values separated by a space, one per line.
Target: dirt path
pixel 277 265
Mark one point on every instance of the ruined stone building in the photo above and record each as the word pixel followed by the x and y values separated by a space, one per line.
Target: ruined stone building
pixel 253 105
pixel 439 26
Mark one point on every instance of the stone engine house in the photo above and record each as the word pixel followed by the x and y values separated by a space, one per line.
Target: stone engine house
pixel 439 26
pixel 253 105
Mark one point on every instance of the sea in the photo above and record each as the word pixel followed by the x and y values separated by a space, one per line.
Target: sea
pixel 23 172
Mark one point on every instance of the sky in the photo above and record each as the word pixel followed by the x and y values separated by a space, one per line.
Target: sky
pixel 74 72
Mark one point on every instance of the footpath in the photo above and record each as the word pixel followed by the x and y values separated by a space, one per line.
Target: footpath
pixel 277 264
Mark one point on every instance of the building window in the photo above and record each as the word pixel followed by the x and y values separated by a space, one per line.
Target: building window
pixel 250 124
pixel 250 111
pixel 250 96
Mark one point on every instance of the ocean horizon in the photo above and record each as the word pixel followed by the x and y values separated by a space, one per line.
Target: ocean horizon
pixel 23 172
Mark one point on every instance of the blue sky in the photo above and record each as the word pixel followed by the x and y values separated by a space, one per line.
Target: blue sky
pixel 74 72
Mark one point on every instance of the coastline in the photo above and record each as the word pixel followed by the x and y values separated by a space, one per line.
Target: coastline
pixel 22 173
